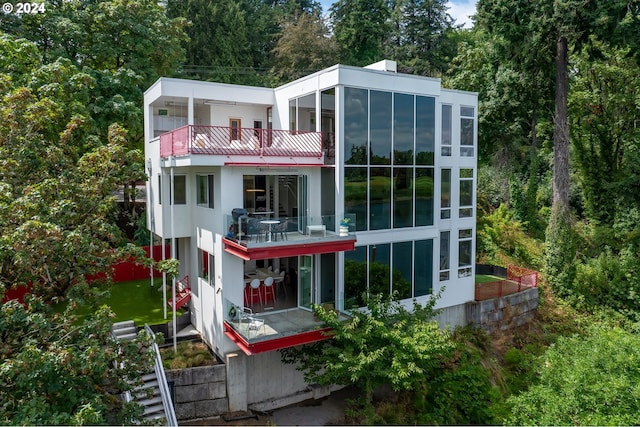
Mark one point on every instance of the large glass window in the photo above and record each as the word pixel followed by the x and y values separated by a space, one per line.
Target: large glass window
pixel 424 196
pixel 380 203
pixel 180 188
pixel 425 129
pixel 380 269
pixel 402 197
pixel 403 119
pixel 204 184
pixel 466 193
pixel 466 131
pixel 445 194
pixel 205 266
pixel 402 269
pixel 355 277
pixel 356 126
pixel 387 128
pixel 445 244
pixel 381 126
pixel 445 150
pixel 328 121
pixel 356 195
pixel 464 252
pixel 423 267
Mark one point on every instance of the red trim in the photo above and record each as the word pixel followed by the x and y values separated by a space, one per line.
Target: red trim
pixel 277 343
pixel 278 165
pixel 284 251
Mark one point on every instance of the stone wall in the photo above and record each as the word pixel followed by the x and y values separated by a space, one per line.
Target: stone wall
pixel 504 312
pixel 199 392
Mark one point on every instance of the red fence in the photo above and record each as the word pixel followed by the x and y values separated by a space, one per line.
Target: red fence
pixel 122 272
pixel 518 279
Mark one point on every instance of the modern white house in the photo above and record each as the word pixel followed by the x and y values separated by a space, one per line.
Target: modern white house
pixel 345 181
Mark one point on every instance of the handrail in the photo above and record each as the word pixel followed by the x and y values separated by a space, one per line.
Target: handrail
pixel 169 410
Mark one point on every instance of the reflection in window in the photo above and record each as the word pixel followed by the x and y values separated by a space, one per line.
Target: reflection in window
pixel 204 189
pixel 380 203
pixel 180 188
pixel 424 196
pixel 328 121
pixel 205 266
pixel 381 125
pixel 445 194
pixel 355 277
pixel 466 193
pixel 425 129
pixel 464 252
pixel 307 113
pixel 403 119
pixel 357 124
pixel 423 267
pixel 466 131
pixel 402 197
pixel 445 243
pixel 356 195
pixel 446 130
pixel 379 269
pixel 402 269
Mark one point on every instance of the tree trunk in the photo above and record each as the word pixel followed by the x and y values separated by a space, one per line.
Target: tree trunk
pixel 561 132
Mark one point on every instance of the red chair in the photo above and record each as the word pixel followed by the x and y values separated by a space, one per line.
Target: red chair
pixel 254 289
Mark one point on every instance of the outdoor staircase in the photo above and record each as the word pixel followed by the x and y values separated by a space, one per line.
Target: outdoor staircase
pixel 153 394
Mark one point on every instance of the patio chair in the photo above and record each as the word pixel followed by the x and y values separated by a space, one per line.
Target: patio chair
pixel 248 317
pixel 268 287
pixel 282 230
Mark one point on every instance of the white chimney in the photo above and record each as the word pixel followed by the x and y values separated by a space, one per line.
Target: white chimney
pixel 384 65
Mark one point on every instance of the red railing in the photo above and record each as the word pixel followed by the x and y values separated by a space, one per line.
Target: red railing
pixel 183 293
pixel 518 279
pixel 220 140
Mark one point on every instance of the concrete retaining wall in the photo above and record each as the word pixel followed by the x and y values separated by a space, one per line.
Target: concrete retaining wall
pixel 199 392
pixel 504 312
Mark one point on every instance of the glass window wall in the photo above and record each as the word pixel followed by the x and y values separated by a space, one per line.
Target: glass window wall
pixel 425 129
pixel 356 126
pixel 403 119
pixel 381 126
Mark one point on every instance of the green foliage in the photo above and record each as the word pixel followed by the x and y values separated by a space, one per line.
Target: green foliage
pixel 360 27
pixel 592 380
pixel 169 266
pixel 188 355
pixel 57 370
pixel 384 345
pixel 502 240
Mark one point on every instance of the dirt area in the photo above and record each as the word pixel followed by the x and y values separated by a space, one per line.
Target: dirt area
pixel 327 411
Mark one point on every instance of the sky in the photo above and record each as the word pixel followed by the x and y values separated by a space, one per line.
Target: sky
pixel 458 9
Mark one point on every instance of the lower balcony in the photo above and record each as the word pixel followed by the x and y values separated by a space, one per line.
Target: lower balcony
pixel 272 330
pixel 261 237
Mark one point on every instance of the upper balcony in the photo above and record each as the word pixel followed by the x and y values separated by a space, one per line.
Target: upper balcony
pixel 266 237
pixel 245 146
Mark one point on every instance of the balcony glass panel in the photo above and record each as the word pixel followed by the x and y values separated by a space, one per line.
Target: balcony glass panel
pixel 256 327
pixel 256 230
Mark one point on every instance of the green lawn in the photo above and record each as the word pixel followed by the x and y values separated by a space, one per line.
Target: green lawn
pixel 135 301
pixel 484 278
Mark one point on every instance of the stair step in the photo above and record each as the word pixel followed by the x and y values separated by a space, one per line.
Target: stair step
pixel 124 324
pixel 151 402
pixel 149 377
pixel 148 384
pixel 125 337
pixel 154 409
pixel 145 393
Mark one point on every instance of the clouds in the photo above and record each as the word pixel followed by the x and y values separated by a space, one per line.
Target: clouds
pixel 461 10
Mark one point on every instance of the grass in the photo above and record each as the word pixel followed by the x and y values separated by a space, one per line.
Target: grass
pixel 485 278
pixel 134 300
pixel 188 355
